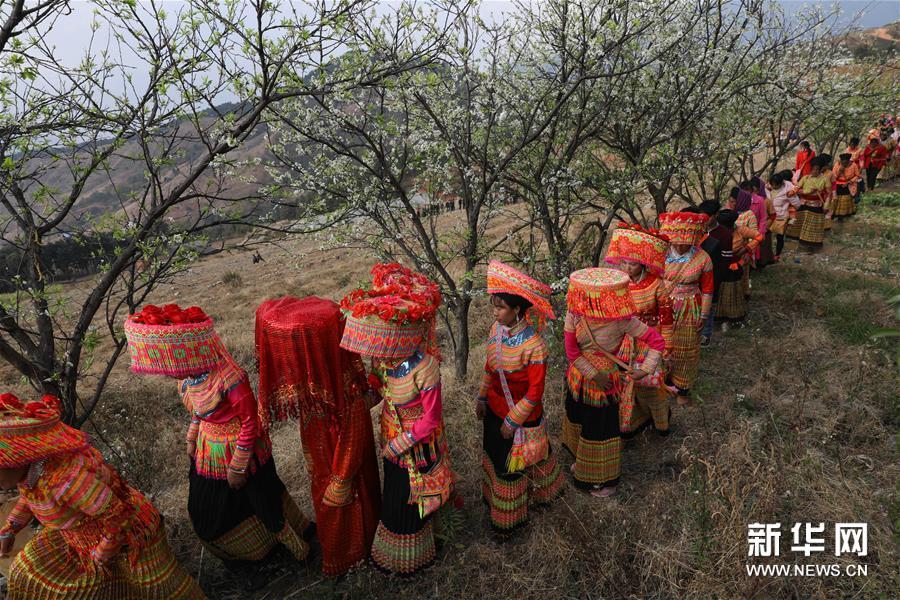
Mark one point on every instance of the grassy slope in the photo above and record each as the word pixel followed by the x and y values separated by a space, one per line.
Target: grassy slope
pixel 796 423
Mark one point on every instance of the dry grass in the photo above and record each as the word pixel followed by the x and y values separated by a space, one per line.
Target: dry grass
pixel 795 422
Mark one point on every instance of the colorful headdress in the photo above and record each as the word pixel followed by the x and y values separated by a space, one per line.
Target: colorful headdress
pixel 634 243
pixel 302 369
pixel 503 279
pixel 386 327
pixel 32 431
pixel 683 227
pixel 173 342
pixel 600 293
pixel 395 318
pixel 394 278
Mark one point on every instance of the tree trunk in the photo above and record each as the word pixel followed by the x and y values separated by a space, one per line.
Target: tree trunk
pixel 461 352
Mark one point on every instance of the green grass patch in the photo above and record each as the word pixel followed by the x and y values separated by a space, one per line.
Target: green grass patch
pixel 882 199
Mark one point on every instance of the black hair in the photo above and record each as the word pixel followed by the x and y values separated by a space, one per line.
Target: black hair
pixel 735 192
pixel 786 175
pixel 513 301
pixel 805 144
pixel 710 207
pixel 746 185
pixel 854 141
pixel 776 180
pixel 691 209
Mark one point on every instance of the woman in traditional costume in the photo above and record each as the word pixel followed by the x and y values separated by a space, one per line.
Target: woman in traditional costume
pixel 101 538
pixel 393 330
pixel 305 375
pixel 732 306
pixel 813 190
pixel 238 506
pixel 803 162
pixel 690 284
pixel 641 253
pixel 875 157
pixel 777 190
pixel 600 314
pixel 519 466
pixel 746 223
pixel 846 178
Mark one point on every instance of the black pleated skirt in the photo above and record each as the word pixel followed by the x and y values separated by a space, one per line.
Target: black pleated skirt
pixel 215 508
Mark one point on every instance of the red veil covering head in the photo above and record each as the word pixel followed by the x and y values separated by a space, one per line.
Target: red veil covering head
pixel 305 375
pixel 302 368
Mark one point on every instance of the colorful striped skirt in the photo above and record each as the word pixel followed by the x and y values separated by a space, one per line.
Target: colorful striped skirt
pixel 506 494
pixel 598 448
pixel 48 569
pixel 686 351
pixel 794 226
pixel 844 206
pixel 404 541
pixel 732 301
pixel 812 233
pixel 651 406
pixel 244 525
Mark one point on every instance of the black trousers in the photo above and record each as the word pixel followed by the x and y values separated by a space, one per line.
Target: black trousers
pixel 871 177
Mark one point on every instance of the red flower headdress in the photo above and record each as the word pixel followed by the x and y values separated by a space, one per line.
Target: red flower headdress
pixel 32 431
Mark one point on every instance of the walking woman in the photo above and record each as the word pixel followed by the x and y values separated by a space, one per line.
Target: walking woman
pixel 846 177
pixel 641 253
pixel 100 538
pixel 239 507
pixel 813 191
pixel 519 466
pixel 690 284
pixel 777 190
pixel 393 330
pixel 600 314
pixel 732 306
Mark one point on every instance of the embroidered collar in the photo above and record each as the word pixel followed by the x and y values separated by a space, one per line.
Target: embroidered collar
pixel 517 335
pixel 405 367
pixel 674 258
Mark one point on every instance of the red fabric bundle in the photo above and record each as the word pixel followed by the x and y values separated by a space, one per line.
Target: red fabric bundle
pixel 302 367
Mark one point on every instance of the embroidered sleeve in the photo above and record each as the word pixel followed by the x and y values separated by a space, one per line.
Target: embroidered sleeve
pixel 666 318
pixel 18 517
pixel 573 349
pixel 707 287
pixel 652 338
pixel 536 370
pixel 82 489
pixel 428 380
pixel 193 429
pixel 244 402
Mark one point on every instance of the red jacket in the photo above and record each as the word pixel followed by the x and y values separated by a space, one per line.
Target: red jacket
pixel 875 157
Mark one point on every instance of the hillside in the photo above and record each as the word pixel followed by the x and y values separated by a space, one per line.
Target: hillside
pixel 795 422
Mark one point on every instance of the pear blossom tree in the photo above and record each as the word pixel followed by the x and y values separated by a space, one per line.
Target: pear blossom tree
pixel 373 158
pixel 171 97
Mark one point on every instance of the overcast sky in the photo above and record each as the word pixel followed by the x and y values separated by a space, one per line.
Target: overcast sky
pixel 72 34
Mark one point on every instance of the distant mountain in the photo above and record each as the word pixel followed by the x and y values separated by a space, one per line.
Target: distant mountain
pixel 877 41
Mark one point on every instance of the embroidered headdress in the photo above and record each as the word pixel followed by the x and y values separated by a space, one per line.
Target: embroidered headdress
pixel 503 279
pixel 33 431
pixel 633 243
pixel 172 341
pixel 683 227
pixel 393 319
pixel 600 293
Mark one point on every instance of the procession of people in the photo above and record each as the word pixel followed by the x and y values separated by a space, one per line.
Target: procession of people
pixel 632 335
